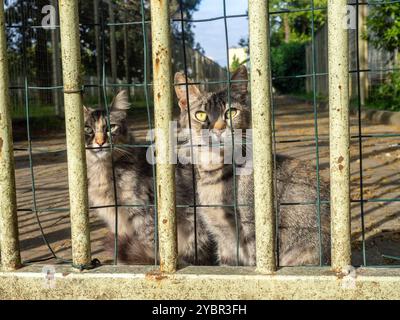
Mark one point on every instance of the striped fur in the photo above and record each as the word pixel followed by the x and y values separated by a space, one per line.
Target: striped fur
pixel 134 191
pixel 298 228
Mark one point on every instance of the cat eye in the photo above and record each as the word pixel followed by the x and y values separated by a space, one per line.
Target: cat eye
pixel 201 116
pixel 88 130
pixel 231 113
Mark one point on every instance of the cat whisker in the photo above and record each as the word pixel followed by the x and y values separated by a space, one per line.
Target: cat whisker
pixel 123 153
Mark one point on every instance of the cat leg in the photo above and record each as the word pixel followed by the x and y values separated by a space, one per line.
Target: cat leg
pixel 299 257
pixel 223 231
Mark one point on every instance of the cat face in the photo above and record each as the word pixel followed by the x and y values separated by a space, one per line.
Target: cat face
pixel 210 112
pixel 99 133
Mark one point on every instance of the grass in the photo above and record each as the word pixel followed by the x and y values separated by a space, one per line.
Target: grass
pixel 46 111
pixel 381 105
pixel 43 118
pixel 35 111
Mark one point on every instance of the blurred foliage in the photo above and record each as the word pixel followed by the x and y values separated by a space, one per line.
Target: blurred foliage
pixel 38 47
pixel 235 64
pixel 188 8
pixel 291 29
pixel 383 32
pixel 387 95
pixel 130 11
pixel 383 25
pixel 296 26
pixel 288 59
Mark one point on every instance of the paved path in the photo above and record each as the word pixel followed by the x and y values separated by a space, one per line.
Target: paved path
pixel 294 122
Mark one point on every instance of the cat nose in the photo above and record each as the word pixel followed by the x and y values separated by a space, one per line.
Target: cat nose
pixel 100 139
pixel 219 127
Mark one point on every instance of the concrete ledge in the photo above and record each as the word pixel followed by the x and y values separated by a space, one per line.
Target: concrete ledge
pixel 381 117
pixel 130 282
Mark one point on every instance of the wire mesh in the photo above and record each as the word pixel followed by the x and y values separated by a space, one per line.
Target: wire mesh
pixel 20 27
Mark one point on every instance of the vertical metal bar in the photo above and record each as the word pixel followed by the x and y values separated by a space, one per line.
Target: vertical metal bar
pixel 364 76
pixel 163 106
pixel 261 101
pixel 77 177
pixel 55 60
pixel 126 49
pixel 149 121
pixel 104 87
pixel 190 134
pixel 339 133
pixel 9 241
pixel 316 134
pixel 234 181
pixel 361 28
pixel 98 51
pixel 113 48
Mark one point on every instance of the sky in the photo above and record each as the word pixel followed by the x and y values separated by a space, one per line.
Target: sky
pixel 211 34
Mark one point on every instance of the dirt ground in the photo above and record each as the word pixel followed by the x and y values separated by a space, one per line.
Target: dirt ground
pixel 294 121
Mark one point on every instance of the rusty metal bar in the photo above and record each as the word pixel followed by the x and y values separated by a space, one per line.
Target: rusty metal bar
pixel 163 106
pixel 261 102
pixel 77 177
pixel 213 283
pixel 9 242
pixel 339 132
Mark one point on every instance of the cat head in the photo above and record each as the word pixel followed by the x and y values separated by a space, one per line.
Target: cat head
pixel 217 113
pixel 210 110
pixel 99 131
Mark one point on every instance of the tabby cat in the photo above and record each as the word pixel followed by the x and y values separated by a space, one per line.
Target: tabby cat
pixel 296 182
pixel 134 186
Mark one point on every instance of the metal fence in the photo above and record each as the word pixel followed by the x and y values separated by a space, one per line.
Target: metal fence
pixel 34 53
pixel 375 64
pixel 223 282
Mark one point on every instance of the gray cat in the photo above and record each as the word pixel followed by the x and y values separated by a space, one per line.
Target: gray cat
pixel 296 182
pixel 134 189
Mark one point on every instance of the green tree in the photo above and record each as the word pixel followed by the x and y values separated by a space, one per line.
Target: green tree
pixel 383 32
pixel 235 64
pixel 291 28
pixel 288 60
pixel 383 27
pixel 38 47
pixel 188 8
pixel 297 25
pixel 37 55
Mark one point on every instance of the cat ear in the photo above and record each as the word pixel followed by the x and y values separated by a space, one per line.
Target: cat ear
pixel 180 90
pixel 86 111
pixel 120 101
pixel 239 89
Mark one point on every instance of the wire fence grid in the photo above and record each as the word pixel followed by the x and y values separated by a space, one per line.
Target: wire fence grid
pixel 106 81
